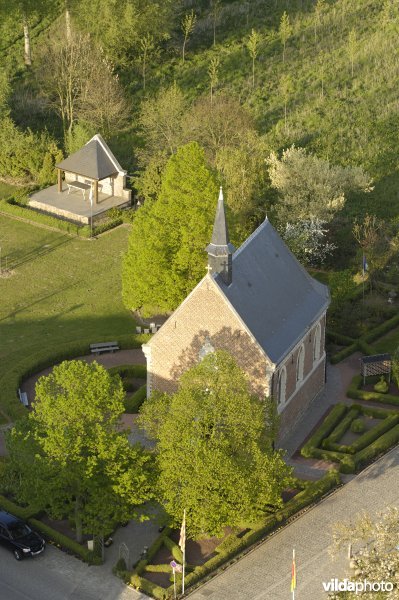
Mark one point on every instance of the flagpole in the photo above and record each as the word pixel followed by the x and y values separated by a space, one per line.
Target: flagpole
pixel 184 550
pixel 293 575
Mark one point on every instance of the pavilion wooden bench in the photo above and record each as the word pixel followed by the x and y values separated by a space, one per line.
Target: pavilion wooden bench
pixel 104 347
pixel 78 185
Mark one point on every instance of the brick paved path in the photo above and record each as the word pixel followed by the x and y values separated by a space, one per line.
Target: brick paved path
pixel 265 573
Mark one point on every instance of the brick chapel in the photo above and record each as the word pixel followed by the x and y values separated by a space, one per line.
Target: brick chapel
pixel 259 304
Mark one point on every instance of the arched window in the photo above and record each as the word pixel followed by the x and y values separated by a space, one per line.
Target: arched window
pixel 317 343
pixel 282 384
pixel 300 364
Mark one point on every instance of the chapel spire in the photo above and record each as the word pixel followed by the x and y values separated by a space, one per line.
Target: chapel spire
pixel 220 250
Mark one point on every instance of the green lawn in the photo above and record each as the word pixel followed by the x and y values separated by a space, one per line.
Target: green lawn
pixel 6 189
pixel 63 290
pixel 388 343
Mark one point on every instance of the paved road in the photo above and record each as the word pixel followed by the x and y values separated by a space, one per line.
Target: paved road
pixel 265 573
pixel 57 576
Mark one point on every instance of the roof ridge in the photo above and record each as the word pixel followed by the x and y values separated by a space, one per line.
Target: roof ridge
pixel 251 237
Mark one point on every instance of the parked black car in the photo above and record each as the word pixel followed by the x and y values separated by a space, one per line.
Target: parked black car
pixel 19 537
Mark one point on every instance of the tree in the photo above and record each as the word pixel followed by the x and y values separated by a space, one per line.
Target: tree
pixel 307 240
pixel 213 72
pixel 148 49
pixel 187 26
pixel 81 85
pixel 286 89
pixel 213 451
pixel 375 557
pixel 84 467
pixel 352 47
pixel 372 236
pixel 216 10
pixel 161 123
pixel 253 48
pixel 285 31
pixel 318 11
pixel 166 257
pixel 309 187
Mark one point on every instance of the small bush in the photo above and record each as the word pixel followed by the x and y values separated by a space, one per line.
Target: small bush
pixel 358 426
pixel 382 386
pixel 355 392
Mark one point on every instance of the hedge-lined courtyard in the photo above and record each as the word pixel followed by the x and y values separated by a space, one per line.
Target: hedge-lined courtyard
pixel 60 294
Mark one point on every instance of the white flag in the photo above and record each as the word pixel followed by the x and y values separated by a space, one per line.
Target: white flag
pixel 91 196
pixel 182 540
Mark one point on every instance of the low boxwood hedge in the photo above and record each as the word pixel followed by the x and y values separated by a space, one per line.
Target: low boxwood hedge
pixel 139 371
pixel 41 358
pixel 174 548
pixel 23 513
pixel 341 428
pixel 339 338
pixel 379 446
pixel 133 403
pixel 328 425
pixel 232 545
pixel 64 541
pixel 344 353
pixel 367 438
pixel 354 391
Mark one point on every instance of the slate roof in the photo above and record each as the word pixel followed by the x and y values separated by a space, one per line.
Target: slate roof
pixel 272 293
pixel 95 160
pixel 220 243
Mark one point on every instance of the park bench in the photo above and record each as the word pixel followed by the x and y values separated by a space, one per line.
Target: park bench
pixel 23 396
pixel 104 347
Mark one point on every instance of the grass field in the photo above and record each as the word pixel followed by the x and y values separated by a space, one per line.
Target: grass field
pixel 7 189
pixel 61 290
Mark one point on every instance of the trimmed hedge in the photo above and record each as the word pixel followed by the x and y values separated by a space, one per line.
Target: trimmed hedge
pixel 355 392
pixel 367 438
pixel 47 357
pixel 336 358
pixel 65 542
pixel 324 430
pixel 379 446
pixel 174 548
pixel 341 428
pixel 339 338
pixel 232 545
pixel 158 568
pixel 139 371
pixel 14 207
pixel 380 330
pixel 133 403
pixel 23 513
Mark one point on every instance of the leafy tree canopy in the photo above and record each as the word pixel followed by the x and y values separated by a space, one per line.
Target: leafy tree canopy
pixel 311 188
pixel 213 450
pixel 166 256
pixel 84 467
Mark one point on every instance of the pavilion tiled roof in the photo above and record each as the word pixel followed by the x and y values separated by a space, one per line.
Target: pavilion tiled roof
pixel 95 161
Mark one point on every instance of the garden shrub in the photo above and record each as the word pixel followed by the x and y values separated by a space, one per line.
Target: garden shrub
pixel 229 543
pixel 358 426
pixel 381 386
pixel 325 429
pixel 133 403
pixel 374 433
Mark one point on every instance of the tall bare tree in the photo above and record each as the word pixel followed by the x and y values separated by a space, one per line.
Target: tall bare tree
pixel 187 25
pixel 213 72
pixel 253 48
pixel 285 31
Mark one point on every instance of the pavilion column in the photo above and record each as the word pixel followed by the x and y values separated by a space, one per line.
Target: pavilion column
pixel 96 192
pixel 59 172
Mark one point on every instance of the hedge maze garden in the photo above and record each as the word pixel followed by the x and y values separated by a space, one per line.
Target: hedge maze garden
pixel 353 435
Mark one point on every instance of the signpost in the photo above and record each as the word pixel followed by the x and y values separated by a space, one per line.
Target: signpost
pixel 176 568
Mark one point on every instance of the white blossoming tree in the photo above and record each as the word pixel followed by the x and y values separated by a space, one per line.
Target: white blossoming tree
pixel 375 553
